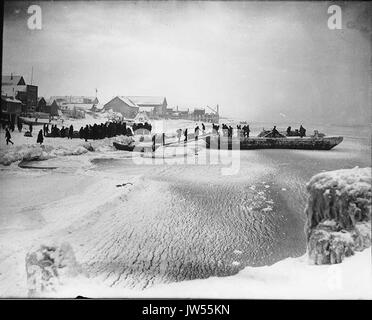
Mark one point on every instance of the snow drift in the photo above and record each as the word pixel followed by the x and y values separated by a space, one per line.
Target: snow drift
pixel 37 152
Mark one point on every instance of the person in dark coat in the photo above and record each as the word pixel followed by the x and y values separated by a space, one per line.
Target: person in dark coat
pixel 86 133
pixel 275 132
pixel 203 128
pixel 71 132
pixel 63 132
pixel 302 131
pixel 40 137
pixel 30 128
pixel 81 133
pixel 8 136
pixel 197 133
pixel 153 142
pixel 289 131
pixel 185 134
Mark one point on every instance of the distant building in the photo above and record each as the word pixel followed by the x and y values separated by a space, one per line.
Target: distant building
pixel 16 87
pixel 153 106
pixel 41 104
pixel 129 106
pixel 198 114
pixel 97 108
pixel 178 113
pixel 10 109
pixel 122 105
pixel 73 106
pixel 51 108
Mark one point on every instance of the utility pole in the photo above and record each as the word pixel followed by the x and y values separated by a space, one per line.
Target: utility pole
pixel 32 73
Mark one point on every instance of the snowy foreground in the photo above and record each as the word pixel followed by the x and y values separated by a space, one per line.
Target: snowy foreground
pixel 82 205
pixel 292 278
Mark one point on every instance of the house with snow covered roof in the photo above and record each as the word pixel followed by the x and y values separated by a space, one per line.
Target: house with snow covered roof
pixel 129 106
pixel 15 86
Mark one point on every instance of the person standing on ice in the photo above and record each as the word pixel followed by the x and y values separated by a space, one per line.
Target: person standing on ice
pixel 185 134
pixel 197 133
pixel 302 131
pixel 71 132
pixel 40 137
pixel 86 132
pixel 8 136
pixel 153 142
pixel 203 128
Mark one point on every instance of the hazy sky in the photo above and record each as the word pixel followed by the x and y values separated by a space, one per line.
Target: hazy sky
pixel 257 60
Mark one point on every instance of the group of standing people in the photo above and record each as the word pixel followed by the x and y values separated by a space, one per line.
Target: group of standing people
pixel 104 130
pixel 147 126
pixel 298 132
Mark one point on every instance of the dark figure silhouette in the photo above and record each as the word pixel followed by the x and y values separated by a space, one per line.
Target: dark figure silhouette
pixel 63 132
pixel 30 128
pixel 81 133
pixel 275 132
pixel 40 137
pixel 302 131
pixel 71 132
pixel 8 136
pixel 153 142
pixel 289 131
pixel 247 131
pixel 197 130
pixel 86 133
pixel 185 134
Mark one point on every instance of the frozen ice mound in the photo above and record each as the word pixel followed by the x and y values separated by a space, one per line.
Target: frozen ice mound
pixel 49 267
pixel 37 152
pixel 338 214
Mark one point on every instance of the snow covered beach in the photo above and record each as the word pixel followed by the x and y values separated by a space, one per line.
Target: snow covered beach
pixel 137 226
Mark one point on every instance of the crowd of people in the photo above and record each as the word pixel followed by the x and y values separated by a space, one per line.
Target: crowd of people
pixel 228 131
pixel 104 130
pixel 146 126
pixel 112 129
pixel 96 131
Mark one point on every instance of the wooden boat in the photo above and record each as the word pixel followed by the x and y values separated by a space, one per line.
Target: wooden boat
pixel 123 147
pixel 306 143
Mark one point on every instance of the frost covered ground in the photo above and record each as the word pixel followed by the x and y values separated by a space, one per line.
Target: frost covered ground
pixel 292 278
pixel 134 223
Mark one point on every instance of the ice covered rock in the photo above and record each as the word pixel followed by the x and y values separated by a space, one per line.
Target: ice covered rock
pixel 48 267
pixel 43 152
pixel 338 214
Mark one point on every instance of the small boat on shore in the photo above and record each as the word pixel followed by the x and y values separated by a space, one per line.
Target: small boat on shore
pixel 305 143
pixel 124 147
